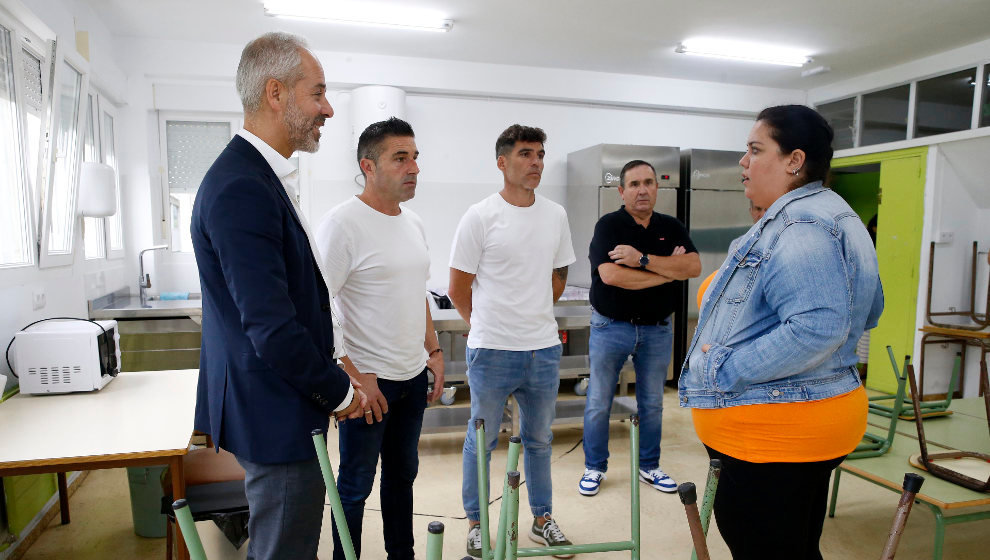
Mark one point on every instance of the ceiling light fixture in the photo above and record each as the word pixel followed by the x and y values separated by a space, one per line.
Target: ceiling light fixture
pixel 360 13
pixel 747 52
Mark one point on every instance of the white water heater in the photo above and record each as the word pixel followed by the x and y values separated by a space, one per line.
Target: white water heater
pixel 370 104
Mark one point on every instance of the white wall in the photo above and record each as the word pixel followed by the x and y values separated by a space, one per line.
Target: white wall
pixel 960 206
pixel 66 288
pixel 457 109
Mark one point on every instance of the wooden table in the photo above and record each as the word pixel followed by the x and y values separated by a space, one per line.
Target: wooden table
pixel 138 419
pixel 962 430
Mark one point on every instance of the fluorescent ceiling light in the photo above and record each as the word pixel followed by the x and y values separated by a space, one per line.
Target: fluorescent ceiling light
pixel 360 13
pixel 749 52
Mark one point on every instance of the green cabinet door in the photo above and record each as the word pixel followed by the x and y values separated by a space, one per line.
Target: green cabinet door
pixel 899 223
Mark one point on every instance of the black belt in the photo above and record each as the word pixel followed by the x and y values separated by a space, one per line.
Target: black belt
pixel 641 322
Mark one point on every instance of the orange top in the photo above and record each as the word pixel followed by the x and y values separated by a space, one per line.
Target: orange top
pixel 704 287
pixel 785 432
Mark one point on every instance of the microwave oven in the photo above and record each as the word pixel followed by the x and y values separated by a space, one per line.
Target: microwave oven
pixel 67 356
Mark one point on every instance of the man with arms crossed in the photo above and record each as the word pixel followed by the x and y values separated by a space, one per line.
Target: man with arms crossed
pixel 267 374
pixel 637 258
pixel 508 266
pixel 377 263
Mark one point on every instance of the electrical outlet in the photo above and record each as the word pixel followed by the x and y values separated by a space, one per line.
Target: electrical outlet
pixel 946 236
pixel 38 299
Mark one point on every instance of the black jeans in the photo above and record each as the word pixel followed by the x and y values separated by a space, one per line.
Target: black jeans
pixel 768 511
pixel 396 439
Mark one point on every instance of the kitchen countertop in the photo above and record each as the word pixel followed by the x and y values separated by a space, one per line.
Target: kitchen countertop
pixel 122 305
pixel 569 316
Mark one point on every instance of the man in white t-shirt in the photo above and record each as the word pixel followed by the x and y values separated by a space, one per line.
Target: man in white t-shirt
pixel 508 266
pixel 377 263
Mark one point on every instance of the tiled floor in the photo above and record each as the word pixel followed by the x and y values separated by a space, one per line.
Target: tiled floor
pixel 101 525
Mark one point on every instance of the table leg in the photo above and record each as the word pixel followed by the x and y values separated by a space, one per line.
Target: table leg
pixel 178 491
pixel 939 531
pixel 835 491
pixel 63 498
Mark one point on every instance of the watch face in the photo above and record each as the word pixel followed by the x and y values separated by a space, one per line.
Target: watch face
pixel 644 260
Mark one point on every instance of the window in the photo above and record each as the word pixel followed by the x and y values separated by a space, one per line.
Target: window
pixel 190 146
pixel 884 116
pixel 108 145
pixel 103 237
pixel 71 82
pixel 985 98
pixel 37 97
pixel 94 233
pixel 15 208
pixel 842 116
pixel 945 103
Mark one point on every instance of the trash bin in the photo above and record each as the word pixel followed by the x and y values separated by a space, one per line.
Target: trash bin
pixel 146 500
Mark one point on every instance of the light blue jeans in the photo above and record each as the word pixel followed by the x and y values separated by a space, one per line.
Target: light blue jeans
pixel 533 377
pixel 611 342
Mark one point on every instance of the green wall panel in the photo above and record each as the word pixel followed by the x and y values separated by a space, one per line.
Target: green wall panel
pixel 25 496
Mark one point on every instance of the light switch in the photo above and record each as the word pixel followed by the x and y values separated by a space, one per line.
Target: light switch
pixel 38 298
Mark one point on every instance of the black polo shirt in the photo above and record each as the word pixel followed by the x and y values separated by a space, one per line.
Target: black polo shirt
pixel 649 305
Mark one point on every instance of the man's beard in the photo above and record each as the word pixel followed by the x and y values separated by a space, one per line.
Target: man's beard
pixel 300 128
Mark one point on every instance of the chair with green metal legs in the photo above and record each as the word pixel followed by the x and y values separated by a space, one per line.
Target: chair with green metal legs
pixel 707 505
pixel 874 445
pixel 901 407
pixel 188 527
pixel 338 510
pixel 507 536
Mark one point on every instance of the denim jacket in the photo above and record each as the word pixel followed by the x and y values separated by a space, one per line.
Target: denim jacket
pixel 786 309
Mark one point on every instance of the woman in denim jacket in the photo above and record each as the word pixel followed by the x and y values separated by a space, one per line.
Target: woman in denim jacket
pixel 771 372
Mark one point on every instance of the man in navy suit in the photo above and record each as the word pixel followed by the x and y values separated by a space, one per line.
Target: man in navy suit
pixel 267 372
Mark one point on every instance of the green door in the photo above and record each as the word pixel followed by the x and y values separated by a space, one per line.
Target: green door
pixel 899 220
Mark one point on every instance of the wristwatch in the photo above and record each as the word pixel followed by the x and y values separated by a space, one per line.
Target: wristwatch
pixel 644 260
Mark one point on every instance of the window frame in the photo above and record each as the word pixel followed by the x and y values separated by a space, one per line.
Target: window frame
pixel 22 38
pixel 94 113
pixel 163 233
pixel 108 108
pixel 48 259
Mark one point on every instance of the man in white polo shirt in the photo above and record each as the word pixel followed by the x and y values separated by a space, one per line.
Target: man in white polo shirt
pixel 508 266
pixel 377 263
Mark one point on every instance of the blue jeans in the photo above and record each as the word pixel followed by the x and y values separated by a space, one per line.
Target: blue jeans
pixel 611 342
pixel 533 377
pixel 396 439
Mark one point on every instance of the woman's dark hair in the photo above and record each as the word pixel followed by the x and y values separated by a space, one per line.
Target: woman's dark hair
pixel 797 127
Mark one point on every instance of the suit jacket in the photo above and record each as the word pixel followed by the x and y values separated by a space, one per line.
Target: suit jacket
pixel 267 377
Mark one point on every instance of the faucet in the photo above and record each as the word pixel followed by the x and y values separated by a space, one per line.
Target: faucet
pixel 144 280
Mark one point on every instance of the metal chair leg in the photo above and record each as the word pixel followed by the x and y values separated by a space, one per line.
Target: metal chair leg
pixel 338 510
pixel 188 527
pixel 689 497
pixel 912 483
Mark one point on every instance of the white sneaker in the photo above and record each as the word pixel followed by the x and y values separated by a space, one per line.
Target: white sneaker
pixel 658 479
pixel 474 541
pixel 591 482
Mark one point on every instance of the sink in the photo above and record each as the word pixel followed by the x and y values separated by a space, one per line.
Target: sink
pixel 128 307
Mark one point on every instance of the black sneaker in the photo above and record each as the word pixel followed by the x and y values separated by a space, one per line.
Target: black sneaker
pixel 549 535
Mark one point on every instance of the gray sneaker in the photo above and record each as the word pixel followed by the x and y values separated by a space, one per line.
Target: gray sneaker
pixel 550 535
pixel 474 541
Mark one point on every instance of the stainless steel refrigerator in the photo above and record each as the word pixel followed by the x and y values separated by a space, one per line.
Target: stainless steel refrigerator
pixel 718 212
pixel 593 191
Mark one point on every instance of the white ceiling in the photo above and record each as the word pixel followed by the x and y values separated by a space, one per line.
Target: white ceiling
pixel 853 37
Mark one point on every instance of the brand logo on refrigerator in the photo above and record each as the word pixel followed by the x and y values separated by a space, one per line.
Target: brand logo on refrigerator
pixel 696 174
pixel 609 178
